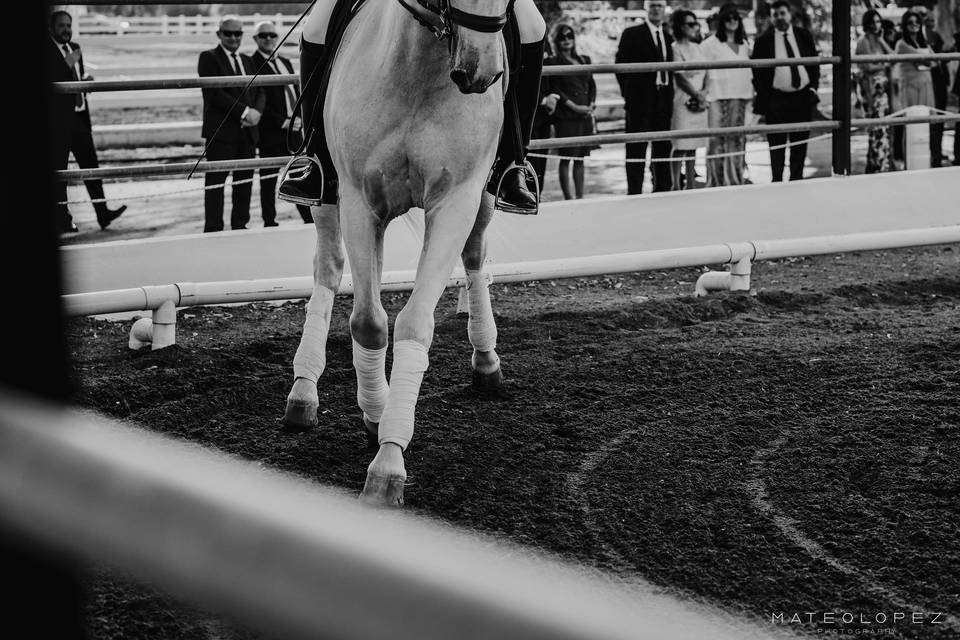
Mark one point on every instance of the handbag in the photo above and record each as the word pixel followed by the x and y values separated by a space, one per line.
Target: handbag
pixel 695 105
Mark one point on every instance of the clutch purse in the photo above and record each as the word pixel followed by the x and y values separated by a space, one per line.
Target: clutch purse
pixel 695 105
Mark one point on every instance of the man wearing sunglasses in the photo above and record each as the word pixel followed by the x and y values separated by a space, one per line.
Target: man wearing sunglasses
pixel 230 118
pixel 278 119
pixel 647 97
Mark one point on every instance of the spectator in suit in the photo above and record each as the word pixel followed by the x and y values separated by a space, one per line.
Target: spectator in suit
pixel 787 93
pixel 648 97
pixel 940 76
pixel 278 120
pixel 71 130
pixel 230 118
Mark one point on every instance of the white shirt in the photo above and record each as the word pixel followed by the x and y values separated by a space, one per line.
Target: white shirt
pixel 661 75
pixel 782 79
pixel 64 50
pixel 231 58
pixel 243 72
pixel 727 84
pixel 287 89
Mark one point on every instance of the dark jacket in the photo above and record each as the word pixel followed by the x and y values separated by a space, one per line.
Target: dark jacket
pixel 275 106
pixel 765 48
pixel 220 105
pixel 579 89
pixel 938 70
pixel 637 45
pixel 62 104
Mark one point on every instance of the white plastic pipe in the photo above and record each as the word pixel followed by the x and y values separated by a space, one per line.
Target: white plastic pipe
pixel 736 279
pixel 184 294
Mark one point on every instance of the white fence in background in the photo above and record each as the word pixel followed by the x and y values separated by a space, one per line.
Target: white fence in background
pixel 99 24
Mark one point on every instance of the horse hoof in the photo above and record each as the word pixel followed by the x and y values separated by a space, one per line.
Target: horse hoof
pixel 488 382
pixel 383 491
pixel 372 431
pixel 299 417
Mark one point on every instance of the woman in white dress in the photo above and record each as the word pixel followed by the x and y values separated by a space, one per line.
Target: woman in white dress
pixel 728 91
pixel 689 101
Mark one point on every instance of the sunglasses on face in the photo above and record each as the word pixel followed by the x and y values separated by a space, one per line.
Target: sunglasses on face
pixel 732 19
pixel 691 24
pixel 913 23
pixel 564 36
pixel 231 34
pixel 266 35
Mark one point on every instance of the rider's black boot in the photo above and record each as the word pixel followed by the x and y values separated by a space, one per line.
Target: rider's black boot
pixel 515 192
pixel 310 188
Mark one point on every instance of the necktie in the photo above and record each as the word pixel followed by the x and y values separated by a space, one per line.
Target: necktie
pixel 289 97
pixel 661 79
pixel 794 70
pixel 77 97
pixel 237 69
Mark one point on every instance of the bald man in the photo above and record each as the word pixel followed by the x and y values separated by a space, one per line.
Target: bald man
pixel 230 118
pixel 278 121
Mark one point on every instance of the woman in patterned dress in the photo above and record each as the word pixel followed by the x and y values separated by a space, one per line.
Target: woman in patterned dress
pixel 874 90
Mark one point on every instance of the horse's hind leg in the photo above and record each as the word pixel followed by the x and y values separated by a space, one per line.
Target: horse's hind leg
pixel 310 360
pixel 481 328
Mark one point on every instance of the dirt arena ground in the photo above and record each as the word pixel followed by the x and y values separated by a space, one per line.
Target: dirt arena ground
pixel 788 454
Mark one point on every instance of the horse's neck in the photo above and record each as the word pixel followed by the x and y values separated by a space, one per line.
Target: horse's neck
pixel 399 42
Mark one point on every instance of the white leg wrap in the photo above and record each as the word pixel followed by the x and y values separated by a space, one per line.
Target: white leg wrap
pixel 481 328
pixel 311 357
pixel 410 361
pixel 372 386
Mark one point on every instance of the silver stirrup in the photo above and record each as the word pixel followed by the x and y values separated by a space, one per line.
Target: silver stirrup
pixel 283 176
pixel 506 207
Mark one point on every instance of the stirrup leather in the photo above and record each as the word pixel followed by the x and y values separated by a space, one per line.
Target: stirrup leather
pixel 310 202
pixel 531 177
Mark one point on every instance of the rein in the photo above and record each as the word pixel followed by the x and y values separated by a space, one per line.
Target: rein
pixel 449 17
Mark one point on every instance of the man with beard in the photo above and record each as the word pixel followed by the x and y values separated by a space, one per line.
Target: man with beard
pixel 71 130
pixel 786 94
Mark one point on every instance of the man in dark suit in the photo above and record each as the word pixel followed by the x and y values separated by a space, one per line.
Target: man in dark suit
pixel 278 120
pixel 941 80
pixel 70 129
pixel 230 118
pixel 648 97
pixel 787 93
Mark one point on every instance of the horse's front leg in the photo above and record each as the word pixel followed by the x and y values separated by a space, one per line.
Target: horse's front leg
pixel 448 223
pixel 481 328
pixel 311 358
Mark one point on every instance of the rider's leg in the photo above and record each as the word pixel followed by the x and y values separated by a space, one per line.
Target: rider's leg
pixel 532 29
pixel 308 188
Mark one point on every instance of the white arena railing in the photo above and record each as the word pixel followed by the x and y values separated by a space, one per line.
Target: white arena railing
pixel 298 560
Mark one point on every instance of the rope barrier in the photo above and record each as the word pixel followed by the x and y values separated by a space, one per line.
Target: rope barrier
pixel 675 158
pixel 231 183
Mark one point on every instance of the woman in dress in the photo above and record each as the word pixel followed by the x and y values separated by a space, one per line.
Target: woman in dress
pixel 914 82
pixel 874 91
pixel 729 91
pixel 689 101
pixel 576 97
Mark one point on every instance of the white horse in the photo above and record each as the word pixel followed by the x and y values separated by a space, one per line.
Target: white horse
pixel 411 121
